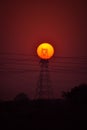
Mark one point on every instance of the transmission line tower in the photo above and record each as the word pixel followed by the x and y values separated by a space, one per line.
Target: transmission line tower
pixel 44 89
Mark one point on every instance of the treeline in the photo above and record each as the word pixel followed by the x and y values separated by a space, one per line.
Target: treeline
pixel 67 113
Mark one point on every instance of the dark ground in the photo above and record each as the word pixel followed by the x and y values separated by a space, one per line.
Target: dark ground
pixel 43 114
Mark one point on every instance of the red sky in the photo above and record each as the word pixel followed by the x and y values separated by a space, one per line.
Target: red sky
pixel 24 25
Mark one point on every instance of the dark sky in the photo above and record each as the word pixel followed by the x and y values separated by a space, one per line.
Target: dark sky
pixel 23 26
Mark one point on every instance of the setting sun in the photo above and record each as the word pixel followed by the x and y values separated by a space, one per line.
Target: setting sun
pixel 45 51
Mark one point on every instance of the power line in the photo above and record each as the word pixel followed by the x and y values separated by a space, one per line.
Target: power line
pixel 19 64
pixel 37 65
pixel 78 63
pixel 32 60
pixel 51 67
pixel 28 55
pixel 37 70
pixel 72 57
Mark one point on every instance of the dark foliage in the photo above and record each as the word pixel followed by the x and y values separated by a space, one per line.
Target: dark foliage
pixel 77 94
pixel 22 113
pixel 21 97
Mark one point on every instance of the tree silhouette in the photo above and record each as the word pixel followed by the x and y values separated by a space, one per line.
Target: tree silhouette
pixel 21 97
pixel 77 94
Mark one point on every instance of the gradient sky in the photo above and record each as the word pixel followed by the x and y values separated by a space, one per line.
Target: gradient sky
pixel 24 25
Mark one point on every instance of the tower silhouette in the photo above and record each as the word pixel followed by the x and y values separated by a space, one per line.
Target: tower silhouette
pixel 44 90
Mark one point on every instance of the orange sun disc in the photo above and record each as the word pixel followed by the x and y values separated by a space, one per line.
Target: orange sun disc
pixel 45 51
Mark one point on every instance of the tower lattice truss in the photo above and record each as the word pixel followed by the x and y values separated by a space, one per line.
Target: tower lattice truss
pixel 44 89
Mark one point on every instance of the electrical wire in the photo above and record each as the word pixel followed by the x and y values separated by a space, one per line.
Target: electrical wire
pixel 69 64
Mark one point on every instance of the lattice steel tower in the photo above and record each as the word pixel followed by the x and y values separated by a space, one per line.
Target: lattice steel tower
pixel 44 88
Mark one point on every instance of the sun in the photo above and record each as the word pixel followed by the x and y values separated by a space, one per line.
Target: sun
pixel 45 51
